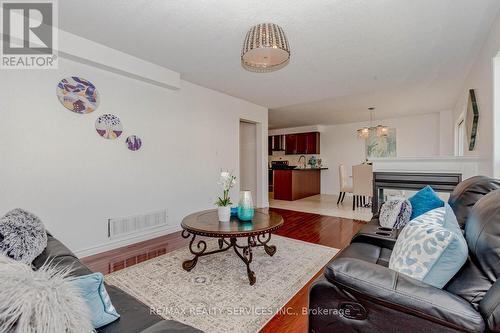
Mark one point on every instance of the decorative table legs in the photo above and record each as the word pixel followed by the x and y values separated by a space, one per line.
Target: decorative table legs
pixel 243 251
pixel 198 250
pixel 245 255
pixel 270 249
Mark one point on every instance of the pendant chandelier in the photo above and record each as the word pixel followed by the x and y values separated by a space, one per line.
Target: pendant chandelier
pixel 380 130
pixel 265 48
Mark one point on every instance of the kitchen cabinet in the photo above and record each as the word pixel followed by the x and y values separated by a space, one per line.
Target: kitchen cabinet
pixel 302 143
pixel 296 184
pixel 295 144
pixel 312 143
pixel 291 144
pixel 270 179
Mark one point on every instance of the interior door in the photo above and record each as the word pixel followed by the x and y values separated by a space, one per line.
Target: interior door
pixel 248 158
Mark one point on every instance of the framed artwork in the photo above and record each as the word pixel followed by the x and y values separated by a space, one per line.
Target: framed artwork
pixel 109 126
pixel 78 95
pixel 381 146
pixel 133 142
pixel 471 119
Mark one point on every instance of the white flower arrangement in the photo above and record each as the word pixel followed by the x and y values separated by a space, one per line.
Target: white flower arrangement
pixel 226 182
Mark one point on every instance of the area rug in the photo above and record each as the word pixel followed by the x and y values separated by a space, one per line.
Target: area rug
pixel 216 296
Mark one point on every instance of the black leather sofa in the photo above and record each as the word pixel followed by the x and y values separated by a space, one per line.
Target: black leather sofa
pixel 359 293
pixel 135 316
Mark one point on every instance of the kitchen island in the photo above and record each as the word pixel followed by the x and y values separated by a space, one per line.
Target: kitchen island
pixel 294 184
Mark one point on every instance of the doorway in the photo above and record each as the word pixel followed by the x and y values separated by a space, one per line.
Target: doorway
pixel 248 158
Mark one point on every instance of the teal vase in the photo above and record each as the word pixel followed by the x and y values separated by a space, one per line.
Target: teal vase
pixel 245 206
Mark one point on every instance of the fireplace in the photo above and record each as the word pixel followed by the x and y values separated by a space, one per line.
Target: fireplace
pixel 440 182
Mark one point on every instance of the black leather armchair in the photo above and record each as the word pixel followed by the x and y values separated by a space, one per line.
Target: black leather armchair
pixel 359 293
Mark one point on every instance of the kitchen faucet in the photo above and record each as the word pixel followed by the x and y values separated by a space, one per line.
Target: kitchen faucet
pixel 304 160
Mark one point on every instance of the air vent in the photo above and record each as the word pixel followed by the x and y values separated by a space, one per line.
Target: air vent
pixel 123 226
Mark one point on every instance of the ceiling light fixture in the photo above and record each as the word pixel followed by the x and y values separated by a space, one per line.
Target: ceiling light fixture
pixel 265 49
pixel 380 130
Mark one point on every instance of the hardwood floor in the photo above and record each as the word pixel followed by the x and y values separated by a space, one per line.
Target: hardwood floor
pixel 126 256
pixel 325 230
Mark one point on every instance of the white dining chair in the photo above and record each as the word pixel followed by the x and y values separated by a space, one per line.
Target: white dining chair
pixel 344 184
pixel 362 184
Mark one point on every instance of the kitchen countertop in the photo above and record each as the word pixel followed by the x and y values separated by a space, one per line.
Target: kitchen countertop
pixel 303 169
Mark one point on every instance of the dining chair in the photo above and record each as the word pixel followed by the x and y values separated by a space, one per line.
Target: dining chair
pixel 344 184
pixel 362 184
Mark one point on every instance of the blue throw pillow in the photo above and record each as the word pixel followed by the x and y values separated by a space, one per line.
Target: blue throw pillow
pixel 450 220
pixel 423 201
pixel 97 298
pixel 431 251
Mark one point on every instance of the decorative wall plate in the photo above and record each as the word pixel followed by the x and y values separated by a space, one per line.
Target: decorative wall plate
pixel 78 95
pixel 133 142
pixel 109 126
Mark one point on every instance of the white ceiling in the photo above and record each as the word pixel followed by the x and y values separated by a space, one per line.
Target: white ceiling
pixel 403 56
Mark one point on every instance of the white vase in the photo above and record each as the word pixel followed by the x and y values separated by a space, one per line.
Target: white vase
pixel 224 213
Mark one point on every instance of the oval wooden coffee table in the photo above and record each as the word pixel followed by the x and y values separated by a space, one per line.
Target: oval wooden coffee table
pixel 252 234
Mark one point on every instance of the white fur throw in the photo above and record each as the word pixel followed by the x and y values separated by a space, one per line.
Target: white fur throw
pixel 395 213
pixel 42 301
pixel 22 235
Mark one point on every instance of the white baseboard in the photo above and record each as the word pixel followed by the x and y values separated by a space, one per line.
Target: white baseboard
pixel 131 239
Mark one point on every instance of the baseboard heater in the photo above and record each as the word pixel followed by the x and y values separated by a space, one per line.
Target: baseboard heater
pixel 123 226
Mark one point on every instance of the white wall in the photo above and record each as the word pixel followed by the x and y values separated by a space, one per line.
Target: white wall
pixel 248 157
pixel 54 164
pixel 480 78
pixel 417 136
pixel 446 135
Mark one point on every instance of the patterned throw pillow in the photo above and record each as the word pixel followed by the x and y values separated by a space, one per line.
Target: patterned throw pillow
pixel 428 251
pixel 395 213
pixel 436 215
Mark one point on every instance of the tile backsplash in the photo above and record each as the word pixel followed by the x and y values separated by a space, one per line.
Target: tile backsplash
pixel 292 159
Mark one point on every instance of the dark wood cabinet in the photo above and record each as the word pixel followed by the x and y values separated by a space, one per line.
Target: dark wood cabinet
pixel 291 144
pixel 296 184
pixel 312 143
pixel 270 145
pixel 295 144
pixel 270 175
pixel 302 143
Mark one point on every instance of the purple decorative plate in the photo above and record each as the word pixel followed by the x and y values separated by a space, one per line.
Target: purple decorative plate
pixel 109 126
pixel 133 142
pixel 78 95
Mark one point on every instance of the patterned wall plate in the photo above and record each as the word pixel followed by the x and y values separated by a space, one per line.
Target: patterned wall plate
pixel 133 142
pixel 109 126
pixel 78 95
